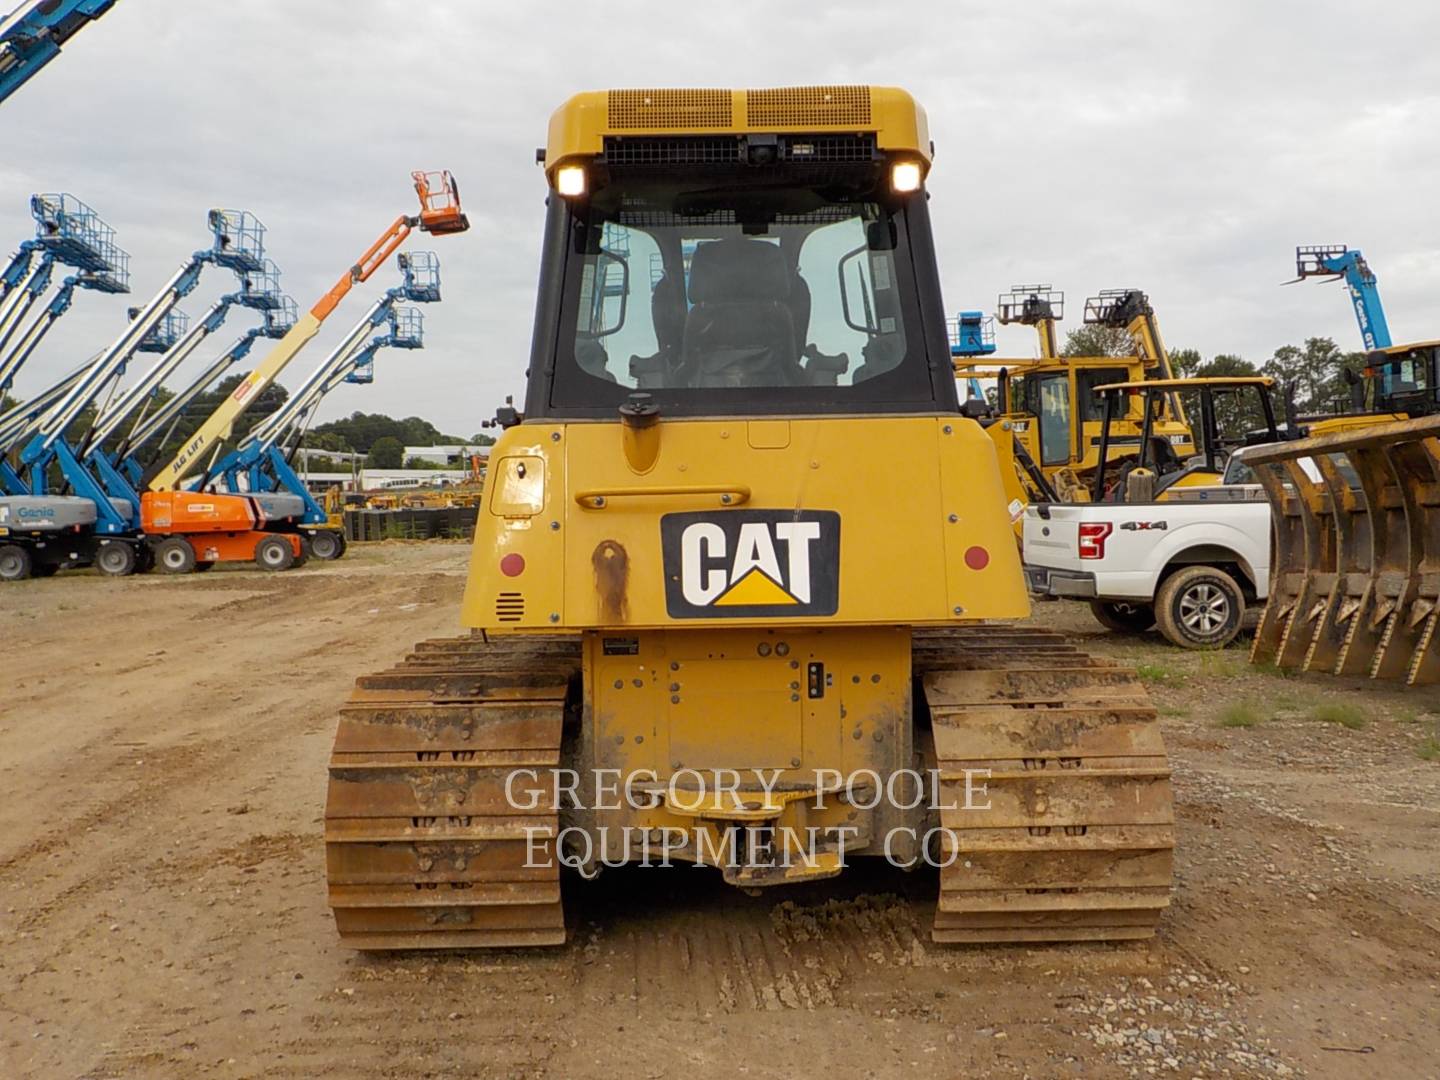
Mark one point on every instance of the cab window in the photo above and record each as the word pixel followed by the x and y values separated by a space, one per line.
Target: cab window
pixel 1054 419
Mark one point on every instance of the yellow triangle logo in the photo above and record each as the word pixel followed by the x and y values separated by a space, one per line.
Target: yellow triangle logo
pixel 756 589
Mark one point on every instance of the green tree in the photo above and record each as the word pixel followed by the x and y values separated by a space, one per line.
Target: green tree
pixel 387 452
pixel 1186 362
pixel 1311 380
pixel 363 430
pixel 1236 411
pixel 1091 340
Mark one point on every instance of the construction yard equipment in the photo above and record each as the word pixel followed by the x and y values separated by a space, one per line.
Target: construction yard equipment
pixel 1046 421
pixel 1398 381
pixel 1157 472
pixel 196 526
pixel 1355 581
pixel 261 463
pixel 707 572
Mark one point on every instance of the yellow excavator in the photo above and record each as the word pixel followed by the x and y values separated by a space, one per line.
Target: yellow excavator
pixel 743 582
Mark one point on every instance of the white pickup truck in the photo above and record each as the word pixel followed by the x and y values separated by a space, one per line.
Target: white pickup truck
pixel 1189 564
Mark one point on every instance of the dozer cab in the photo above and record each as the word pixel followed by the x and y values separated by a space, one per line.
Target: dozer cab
pixel 742 573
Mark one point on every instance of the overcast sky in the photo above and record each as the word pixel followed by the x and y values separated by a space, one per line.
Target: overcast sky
pixel 1181 148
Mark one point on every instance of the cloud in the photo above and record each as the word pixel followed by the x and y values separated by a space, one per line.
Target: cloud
pixel 1184 149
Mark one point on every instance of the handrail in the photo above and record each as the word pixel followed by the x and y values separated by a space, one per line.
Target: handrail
pixel 599 498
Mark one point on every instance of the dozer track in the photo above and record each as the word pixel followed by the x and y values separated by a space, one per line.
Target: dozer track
pixel 1076 836
pixel 424 849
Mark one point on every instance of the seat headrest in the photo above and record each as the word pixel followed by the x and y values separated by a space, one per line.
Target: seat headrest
pixel 738 269
pixel 667 311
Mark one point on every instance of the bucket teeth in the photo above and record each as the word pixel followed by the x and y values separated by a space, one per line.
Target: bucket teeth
pixel 1355 583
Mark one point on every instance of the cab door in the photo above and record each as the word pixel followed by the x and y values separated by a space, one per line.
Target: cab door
pixel 1054 414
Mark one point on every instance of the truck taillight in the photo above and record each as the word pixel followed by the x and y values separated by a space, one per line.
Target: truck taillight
pixel 1092 538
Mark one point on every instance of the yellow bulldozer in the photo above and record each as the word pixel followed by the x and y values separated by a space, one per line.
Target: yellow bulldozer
pixel 743 581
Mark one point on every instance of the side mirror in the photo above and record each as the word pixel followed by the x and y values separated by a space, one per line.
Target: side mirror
pixel 846 312
pixel 610 295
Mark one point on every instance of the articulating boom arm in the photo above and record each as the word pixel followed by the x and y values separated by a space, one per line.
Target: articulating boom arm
pixel 31 36
pixel 162 418
pixel 440 214
pixel 237 245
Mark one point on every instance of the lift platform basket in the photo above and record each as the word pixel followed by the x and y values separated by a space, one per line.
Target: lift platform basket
pixel 1116 307
pixel 407 327
pixel 75 235
pixel 422 276
pixel 1028 304
pixel 165 334
pixel 260 288
pixel 971 333
pixel 239 240
pixel 280 319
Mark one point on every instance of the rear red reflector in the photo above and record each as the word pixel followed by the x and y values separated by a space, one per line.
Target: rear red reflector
pixel 512 565
pixel 977 558
pixel 1092 538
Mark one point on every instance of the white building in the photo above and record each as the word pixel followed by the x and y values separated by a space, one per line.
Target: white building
pixel 445 455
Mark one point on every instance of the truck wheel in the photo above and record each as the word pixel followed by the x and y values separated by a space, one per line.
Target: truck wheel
pixel 1123 616
pixel 174 555
pixel 274 553
pixel 14 563
pixel 327 545
pixel 116 560
pixel 1200 607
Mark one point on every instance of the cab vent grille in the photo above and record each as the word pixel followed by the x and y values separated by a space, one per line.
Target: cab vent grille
pixel 509 607
pixel 669 110
pixel 808 106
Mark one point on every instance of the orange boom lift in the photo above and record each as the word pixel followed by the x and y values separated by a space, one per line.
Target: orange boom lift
pixel 188 525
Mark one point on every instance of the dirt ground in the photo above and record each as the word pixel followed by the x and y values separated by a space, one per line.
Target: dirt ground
pixel 162 912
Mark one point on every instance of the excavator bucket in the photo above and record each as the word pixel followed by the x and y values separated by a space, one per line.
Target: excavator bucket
pixel 439 203
pixel 1355 581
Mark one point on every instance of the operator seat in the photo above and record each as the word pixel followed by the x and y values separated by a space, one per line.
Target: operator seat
pixel 740 330
pixel 667 317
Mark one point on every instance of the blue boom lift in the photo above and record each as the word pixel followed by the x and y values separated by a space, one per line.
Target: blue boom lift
pixel 31 36
pixel 106 531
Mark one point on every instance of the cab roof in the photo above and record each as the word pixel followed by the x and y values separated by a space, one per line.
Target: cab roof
pixel 579 127
pixel 1187 384
pixel 1398 350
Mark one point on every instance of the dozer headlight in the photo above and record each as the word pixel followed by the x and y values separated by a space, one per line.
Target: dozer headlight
pixel 570 180
pixel 905 176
